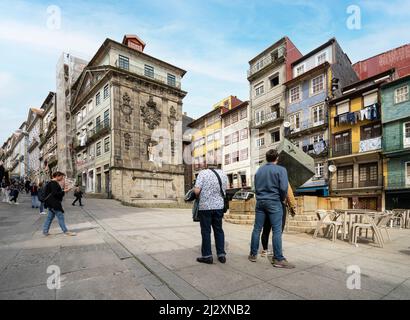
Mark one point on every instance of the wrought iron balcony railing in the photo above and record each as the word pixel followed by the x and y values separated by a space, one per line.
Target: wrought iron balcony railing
pixel 269 118
pixel 345 149
pixel 305 125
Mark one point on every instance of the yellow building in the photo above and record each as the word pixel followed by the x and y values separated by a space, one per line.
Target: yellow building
pixel 207 137
pixel 356 144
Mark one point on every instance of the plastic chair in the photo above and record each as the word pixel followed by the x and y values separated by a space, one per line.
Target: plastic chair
pixel 328 218
pixel 369 225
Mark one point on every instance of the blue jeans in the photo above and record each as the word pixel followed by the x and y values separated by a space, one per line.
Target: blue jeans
pixel 272 209
pixel 212 218
pixel 50 217
pixel 34 201
pixel 41 206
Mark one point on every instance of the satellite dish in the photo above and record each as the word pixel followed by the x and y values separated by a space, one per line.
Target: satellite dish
pixel 286 124
pixel 332 168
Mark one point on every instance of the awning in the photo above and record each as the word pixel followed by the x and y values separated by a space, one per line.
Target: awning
pixel 324 190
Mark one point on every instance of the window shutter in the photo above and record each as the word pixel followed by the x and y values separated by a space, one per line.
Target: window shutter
pixel 343 108
pixel 370 99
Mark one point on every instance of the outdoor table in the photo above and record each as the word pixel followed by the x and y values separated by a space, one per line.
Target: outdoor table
pixel 348 222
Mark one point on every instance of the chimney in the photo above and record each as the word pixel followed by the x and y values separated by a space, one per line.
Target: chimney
pixel 134 42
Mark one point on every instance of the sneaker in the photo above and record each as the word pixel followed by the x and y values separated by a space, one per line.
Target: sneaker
pixel 284 264
pixel 222 259
pixel 69 233
pixel 43 213
pixel 205 260
pixel 46 234
pixel 264 253
pixel 252 258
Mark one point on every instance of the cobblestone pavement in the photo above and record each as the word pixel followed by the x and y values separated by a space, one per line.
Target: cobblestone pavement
pixel 133 253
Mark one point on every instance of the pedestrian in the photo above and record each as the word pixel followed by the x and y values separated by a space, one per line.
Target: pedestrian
pixel 210 187
pixel 55 191
pixel 288 206
pixel 42 196
pixel 27 186
pixel 14 194
pixel 34 195
pixel 78 194
pixel 271 187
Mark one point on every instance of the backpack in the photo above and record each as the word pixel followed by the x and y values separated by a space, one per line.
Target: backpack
pixel 42 194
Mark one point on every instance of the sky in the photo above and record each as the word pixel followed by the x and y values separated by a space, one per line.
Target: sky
pixel 212 39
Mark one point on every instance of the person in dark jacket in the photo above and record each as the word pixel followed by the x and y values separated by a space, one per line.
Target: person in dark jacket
pixel 78 194
pixel 14 194
pixel 55 194
pixel 34 195
pixel 27 186
pixel 271 187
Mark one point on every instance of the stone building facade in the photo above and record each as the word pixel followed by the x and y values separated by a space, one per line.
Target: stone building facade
pixel 127 108
pixel 34 120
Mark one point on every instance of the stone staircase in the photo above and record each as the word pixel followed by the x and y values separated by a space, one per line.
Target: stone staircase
pixel 241 212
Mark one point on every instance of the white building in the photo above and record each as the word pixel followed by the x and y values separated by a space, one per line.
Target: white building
pixel 236 149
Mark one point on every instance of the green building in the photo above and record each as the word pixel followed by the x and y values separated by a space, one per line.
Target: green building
pixel 396 142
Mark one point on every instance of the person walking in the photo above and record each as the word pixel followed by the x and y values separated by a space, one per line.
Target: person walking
pixel 78 194
pixel 271 187
pixel 42 196
pixel 210 187
pixel 27 186
pixel 54 197
pixel 14 194
pixel 288 206
pixel 34 195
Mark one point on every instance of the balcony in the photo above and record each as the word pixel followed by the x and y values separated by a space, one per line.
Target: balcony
pixel 93 134
pixel 305 127
pixel 357 184
pixel 276 56
pixel 269 118
pixel 397 181
pixel 364 146
pixel 149 75
pixel 317 149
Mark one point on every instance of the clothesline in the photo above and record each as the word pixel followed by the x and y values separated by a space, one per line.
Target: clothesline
pixel 367 113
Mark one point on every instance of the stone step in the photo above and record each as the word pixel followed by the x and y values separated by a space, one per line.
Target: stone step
pixel 300 229
pixel 305 224
pixel 240 217
pixel 239 221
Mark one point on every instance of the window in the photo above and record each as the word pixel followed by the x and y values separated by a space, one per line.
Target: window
pixel 210 138
pixel 317 84
pixel 210 157
pixel 217 135
pixel 341 144
pixel 98 149
pixel 235 157
pixel 274 80
pixel 275 136
pixel 123 62
pixel 370 131
pixel 106 91
pixel 407 173
pixel 317 138
pixel 406 134
pixel 260 116
pixel 84 113
pixel 79 118
pixel 244 134
pixel 97 99
pixel 227 121
pixel 345 177
pixel 259 90
pixel 294 94
pixel 149 71
pixel 368 174
pixel 319 169
pixel 227 140
pixel 227 159
pixel 318 115
pixel 321 58
pixel 300 69
pixel 98 122
pixel 369 99
pixel 106 118
pixel 401 94
pixel 171 80
pixel 244 113
pixel 107 144
pixel 235 137
pixel 260 142
pixel 234 117
pixel 90 106
pixel 244 154
pixel 294 120
pixel 342 108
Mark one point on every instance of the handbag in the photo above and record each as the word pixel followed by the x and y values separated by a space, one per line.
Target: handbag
pixel 224 197
pixel 195 211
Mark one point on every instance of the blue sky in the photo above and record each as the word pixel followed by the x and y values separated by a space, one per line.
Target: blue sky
pixel 212 39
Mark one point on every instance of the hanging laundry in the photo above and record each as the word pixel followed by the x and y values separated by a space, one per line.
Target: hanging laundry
pixel 319 147
pixel 363 113
pixel 305 148
pixel 310 147
pixel 336 121
pixel 351 118
pixel 343 118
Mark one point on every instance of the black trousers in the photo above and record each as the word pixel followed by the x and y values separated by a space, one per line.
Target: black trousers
pixel 267 227
pixel 77 199
pixel 13 198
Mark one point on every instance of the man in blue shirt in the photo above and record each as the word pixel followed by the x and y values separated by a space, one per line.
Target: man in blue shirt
pixel 271 186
